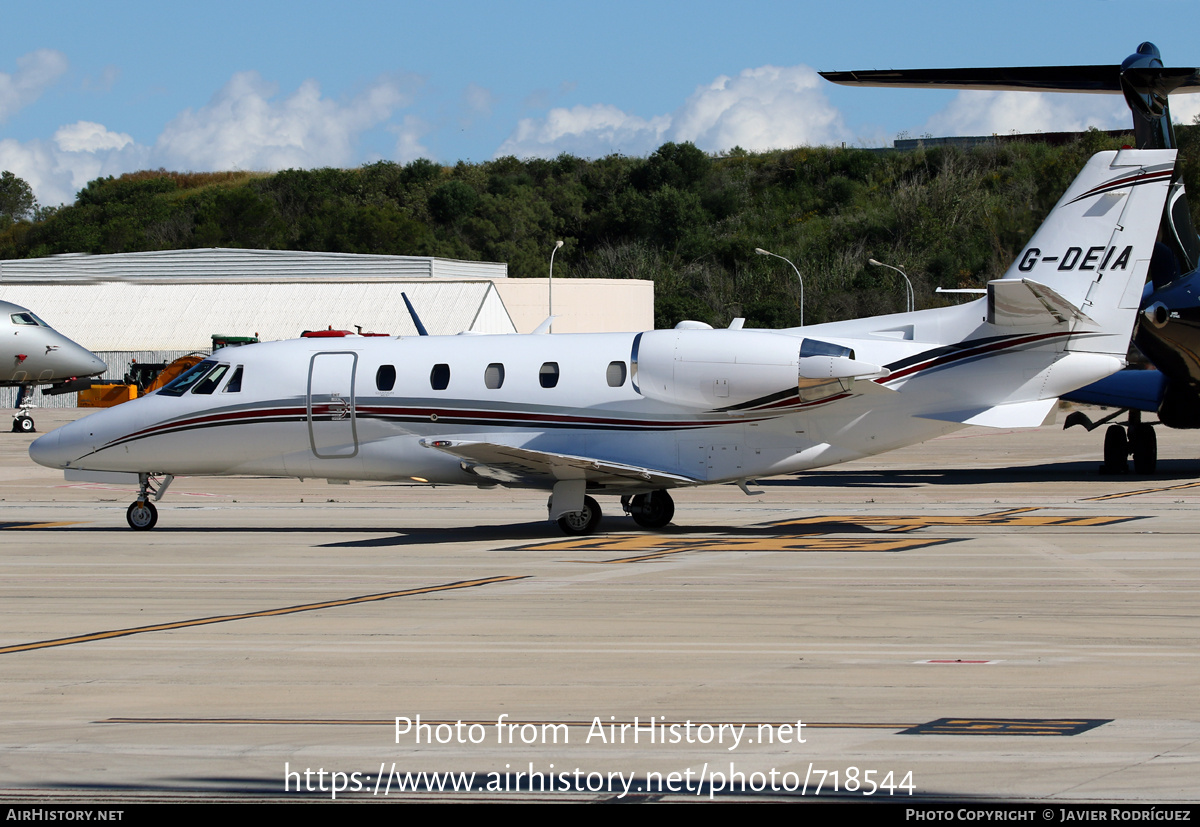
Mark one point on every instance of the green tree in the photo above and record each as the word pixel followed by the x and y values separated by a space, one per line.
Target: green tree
pixel 16 199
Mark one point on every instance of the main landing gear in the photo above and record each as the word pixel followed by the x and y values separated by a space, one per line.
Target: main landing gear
pixel 1137 439
pixel 581 522
pixel 1141 444
pixel 653 510
pixel 141 514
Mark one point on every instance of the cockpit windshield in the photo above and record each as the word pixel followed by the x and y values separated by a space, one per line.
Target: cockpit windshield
pixel 27 318
pixel 184 381
pixel 209 383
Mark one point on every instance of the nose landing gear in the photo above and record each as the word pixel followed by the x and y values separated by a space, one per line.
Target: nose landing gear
pixel 22 421
pixel 141 514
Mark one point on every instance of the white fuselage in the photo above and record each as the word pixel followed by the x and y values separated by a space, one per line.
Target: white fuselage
pixel 638 413
pixel 330 408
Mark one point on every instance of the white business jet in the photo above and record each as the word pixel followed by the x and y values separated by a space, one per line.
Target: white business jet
pixel 635 415
pixel 32 353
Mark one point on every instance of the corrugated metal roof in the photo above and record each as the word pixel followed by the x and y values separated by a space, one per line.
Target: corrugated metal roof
pixel 221 264
pixel 135 315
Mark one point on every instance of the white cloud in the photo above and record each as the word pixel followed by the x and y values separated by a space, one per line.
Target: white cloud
pixel 1184 108
pixel 764 108
pixel 1003 113
pixel 80 152
pixel 408 139
pixel 85 136
pixel 244 126
pixel 36 72
pixel 588 131
pixel 770 107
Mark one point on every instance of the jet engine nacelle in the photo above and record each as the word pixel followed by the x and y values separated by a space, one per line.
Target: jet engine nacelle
pixel 722 369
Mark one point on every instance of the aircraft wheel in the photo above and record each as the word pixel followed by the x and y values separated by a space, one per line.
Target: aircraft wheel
pixel 1116 449
pixel 1144 445
pixel 653 510
pixel 23 425
pixel 581 522
pixel 141 516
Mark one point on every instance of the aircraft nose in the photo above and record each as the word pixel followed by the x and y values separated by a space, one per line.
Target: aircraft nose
pixel 86 363
pixel 48 450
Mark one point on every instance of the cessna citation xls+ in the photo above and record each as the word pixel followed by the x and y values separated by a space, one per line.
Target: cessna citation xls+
pixel 635 415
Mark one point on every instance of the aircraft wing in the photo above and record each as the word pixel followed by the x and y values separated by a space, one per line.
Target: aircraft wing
pixel 1010 415
pixel 506 464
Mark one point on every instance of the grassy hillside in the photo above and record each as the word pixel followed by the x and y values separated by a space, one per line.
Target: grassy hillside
pixel 689 221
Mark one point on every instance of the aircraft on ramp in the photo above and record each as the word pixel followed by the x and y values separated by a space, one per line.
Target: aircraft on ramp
pixel 637 414
pixel 1169 331
pixel 32 353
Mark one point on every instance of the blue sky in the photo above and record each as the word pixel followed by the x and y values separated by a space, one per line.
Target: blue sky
pixel 90 89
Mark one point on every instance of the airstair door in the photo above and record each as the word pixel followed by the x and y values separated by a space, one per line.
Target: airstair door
pixel 332 428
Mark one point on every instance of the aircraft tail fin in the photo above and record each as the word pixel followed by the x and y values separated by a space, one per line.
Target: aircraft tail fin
pixel 1087 263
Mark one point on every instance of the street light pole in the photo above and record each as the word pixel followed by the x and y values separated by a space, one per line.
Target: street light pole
pixel 550 285
pixel 799 278
pixel 909 296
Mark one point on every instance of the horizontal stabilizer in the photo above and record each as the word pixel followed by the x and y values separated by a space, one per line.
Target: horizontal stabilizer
pixel 1024 303
pixel 506 464
pixel 1013 415
pixel 1089 79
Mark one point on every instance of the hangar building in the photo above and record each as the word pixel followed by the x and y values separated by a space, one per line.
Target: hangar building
pixel 157 306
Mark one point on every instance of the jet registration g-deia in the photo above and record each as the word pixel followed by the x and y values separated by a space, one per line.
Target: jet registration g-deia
pixel 33 353
pixel 635 415
pixel 1169 330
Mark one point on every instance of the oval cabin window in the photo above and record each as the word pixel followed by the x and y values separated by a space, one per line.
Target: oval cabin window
pixel 493 377
pixel 385 377
pixel 439 377
pixel 615 374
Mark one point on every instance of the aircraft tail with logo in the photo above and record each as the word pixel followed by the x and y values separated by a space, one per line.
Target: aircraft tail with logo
pixel 1087 264
pixel 1060 318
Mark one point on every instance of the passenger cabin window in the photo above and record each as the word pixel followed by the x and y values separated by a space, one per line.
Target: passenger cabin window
pixel 493 377
pixel 184 381
pixel 385 377
pixel 209 383
pixel 235 382
pixel 439 377
pixel 615 374
pixel 548 375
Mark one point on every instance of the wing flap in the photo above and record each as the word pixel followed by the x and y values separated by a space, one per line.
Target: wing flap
pixel 507 464
pixel 1012 415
